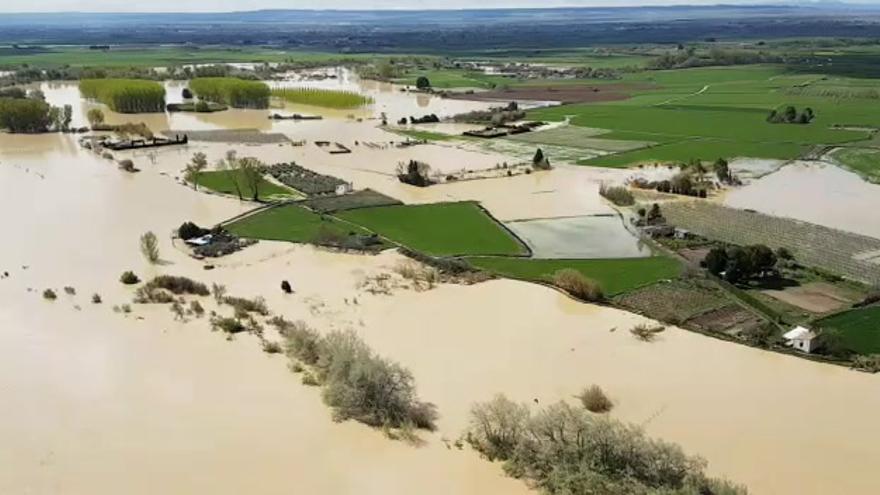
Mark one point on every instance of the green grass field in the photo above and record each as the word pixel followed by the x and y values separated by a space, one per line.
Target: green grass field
pixel 290 223
pixel 222 182
pixel 425 135
pixel 440 229
pixel 717 112
pixel 455 78
pixel 704 149
pixel 80 56
pixel 863 161
pixel 615 276
pixel 859 329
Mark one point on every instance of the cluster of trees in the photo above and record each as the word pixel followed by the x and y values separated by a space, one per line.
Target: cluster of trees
pixel 28 112
pixel 494 116
pixel 740 263
pixel 685 57
pixel 245 174
pixel 565 449
pixel 425 119
pixel 125 95
pixel 790 115
pixel 415 173
pixel 235 92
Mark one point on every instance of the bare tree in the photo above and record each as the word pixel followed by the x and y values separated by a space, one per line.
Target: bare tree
pixel 194 168
pixel 230 165
pixel 251 173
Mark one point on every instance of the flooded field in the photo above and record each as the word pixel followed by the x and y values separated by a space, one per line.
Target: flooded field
pixel 815 192
pixel 102 402
pixel 589 237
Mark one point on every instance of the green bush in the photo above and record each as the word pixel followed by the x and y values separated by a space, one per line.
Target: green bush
pixel 129 278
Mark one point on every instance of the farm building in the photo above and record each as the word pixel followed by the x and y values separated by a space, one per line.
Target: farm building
pixel 802 339
pixel 345 188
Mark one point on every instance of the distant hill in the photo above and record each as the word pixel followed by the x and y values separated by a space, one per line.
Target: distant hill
pixel 444 30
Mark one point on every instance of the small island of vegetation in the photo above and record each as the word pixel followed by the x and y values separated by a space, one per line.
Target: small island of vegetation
pixel 125 95
pixel 237 93
pixel 322 97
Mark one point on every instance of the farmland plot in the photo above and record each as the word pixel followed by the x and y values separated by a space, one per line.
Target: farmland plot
pixel 851 255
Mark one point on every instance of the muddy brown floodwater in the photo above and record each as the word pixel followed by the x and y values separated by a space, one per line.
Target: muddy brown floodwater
pixel 97 402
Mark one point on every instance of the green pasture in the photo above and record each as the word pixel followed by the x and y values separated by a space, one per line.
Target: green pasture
pixel 225 182
pixel 863 161
pixel 290 223
pixel 615 276
pixel 439 229
pixel 859 329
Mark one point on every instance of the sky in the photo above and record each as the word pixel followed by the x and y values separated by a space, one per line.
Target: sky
pixel 239 5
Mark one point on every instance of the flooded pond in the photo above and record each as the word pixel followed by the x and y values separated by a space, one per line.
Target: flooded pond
pixel 815 192
pixel 602 236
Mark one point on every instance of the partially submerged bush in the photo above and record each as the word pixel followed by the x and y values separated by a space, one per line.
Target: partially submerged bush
pixel 423 277
pixel 564 449
pixel 367 388
pixel 301 342
pixel 129 278
pixel 870 363
pixel 619 195
pixel 49 295
pixel 578 285
pixel 179 285
pixel 227 325
pixel 96 299
pixel 149 244
pixel 593 399
pixel 242 305
pixel 646 332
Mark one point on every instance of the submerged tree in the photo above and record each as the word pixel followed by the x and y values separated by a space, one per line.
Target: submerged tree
pixel 95 117
pixel 150 247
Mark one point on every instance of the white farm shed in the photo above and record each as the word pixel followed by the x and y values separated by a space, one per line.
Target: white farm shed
pixel 802 339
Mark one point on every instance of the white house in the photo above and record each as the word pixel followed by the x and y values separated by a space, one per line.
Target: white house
pixel 802 339
pixel 346 188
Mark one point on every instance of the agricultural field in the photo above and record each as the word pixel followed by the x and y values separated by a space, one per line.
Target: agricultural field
pixel 859 329
pixel 863 161
pixel 366 198
pixel 322 97
pixel 838 252
pixel 709 113
pixel 674 301
pixel 439 229
pixel 291 223
pixel 615 276
pixel 159 56
pixel 225 182
pixel 455 78
pixel 579 137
